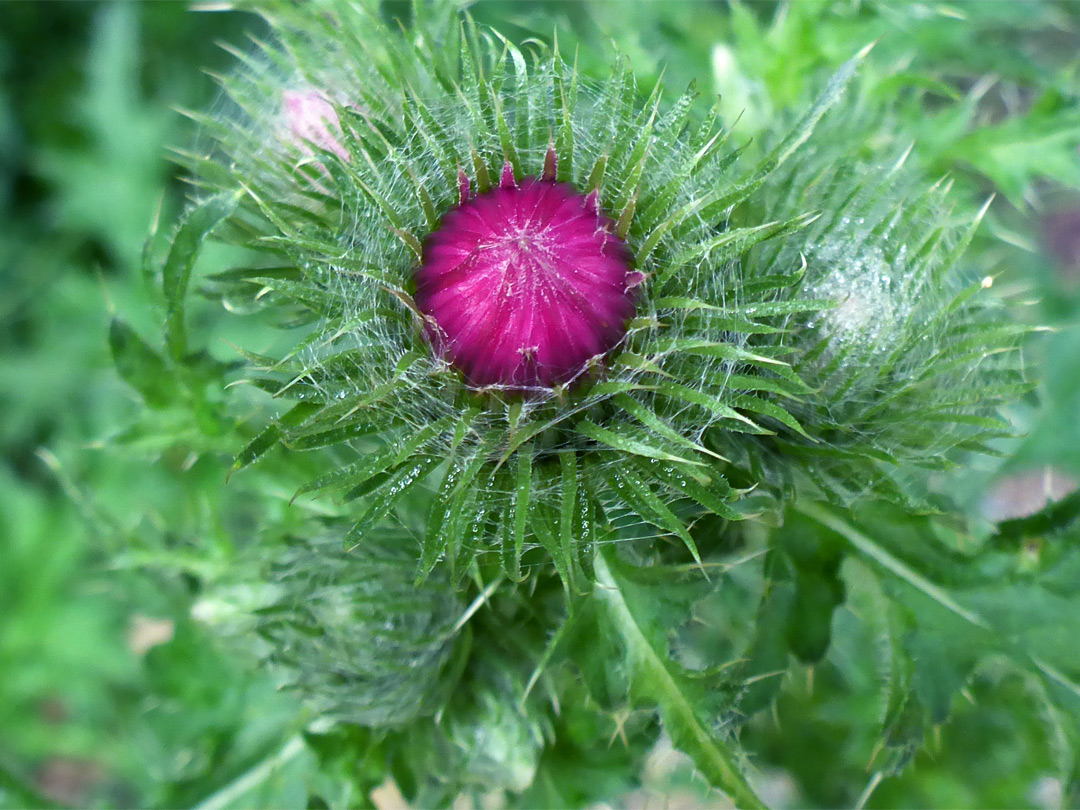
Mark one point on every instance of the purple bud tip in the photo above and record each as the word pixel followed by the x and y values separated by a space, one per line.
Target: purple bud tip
pixel 551 164
pixel 525 284
pixel 463 186
pixel 311 118
pixel 592 201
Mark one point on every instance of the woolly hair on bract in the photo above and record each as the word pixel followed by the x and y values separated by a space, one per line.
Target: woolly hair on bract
pixel 911 358
pixel 403 131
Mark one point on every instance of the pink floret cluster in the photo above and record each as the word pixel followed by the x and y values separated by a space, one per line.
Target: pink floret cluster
pixel 523 285
pixel 312 119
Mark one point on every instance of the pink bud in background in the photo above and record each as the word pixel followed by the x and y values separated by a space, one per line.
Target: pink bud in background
pixel 311 119
pixel 524 284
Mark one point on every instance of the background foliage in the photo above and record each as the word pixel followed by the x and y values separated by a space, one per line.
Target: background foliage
pixel 113 693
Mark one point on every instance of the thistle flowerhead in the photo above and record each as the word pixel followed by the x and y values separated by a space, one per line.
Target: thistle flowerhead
pixel 526 297
pixel 524 284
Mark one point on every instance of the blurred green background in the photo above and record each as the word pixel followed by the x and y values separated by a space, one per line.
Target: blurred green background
pixel 110 693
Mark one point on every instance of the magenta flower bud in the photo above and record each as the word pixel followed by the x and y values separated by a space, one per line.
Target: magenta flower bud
pixel 524 284
pixel 312 119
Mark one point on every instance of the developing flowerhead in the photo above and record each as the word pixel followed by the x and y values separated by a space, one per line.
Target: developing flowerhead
pixel 524 284
pixel 907 360
pixel 385 648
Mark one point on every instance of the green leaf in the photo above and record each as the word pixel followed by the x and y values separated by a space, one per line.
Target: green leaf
pixel 882 557
pixel 763 309
pixel 774 385
pixel 1024 148
pixel 659 679
pixel 1056 517
pixel 1009 615
pixel 719 317
pixel 185 249
pixel 815 556
pixel 722 351
pixel 141 367
pixel 565 99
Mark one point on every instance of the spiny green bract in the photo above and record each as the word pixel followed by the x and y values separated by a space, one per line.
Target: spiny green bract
pixel 721 370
